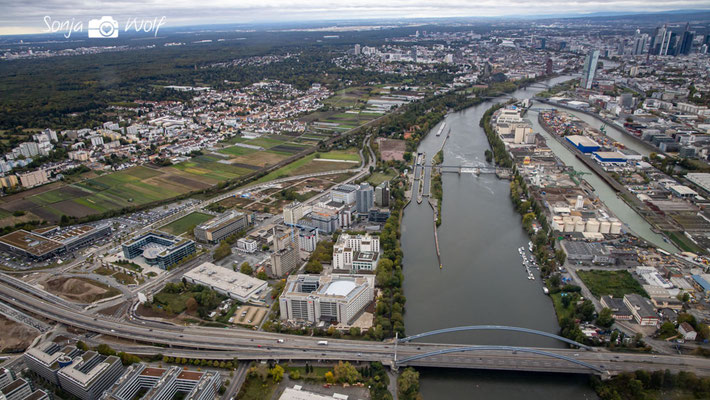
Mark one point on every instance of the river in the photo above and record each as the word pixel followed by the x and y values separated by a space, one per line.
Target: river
pixel 482 280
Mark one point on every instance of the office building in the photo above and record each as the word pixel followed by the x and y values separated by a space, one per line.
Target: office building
pixel 686 42
pixel 308 239
pixel 286 256
pixel 344 194
pixel 364 198
pixel 378 215
pixel 163 384
pixel 218 228
pixel 225 281
pixel 639 44
pixel 45 243
pixel 159 249
pixel 356 252
pixel 590 69
pixel 382 194
pixel 331 298
pixel 47 359
pixel 331 216
pixel 247 245
pixel 16 390
pixel 294 212
pixel 89 375
pixel 7 376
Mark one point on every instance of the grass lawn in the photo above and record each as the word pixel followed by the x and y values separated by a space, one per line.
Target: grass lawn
pixel 350 154
pixel 183 224
pixel 379 177
pixel 615 283
pixel 560 309
pixel 176 301
pixel 254 389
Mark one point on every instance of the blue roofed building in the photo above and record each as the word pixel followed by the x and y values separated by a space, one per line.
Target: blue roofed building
pixel 583 143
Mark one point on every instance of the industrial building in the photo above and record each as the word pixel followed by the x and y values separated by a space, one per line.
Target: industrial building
pixel 225 281
pixel 218 228
pixel 641 308
pixel 45 243
pixel 610 157
pixel 164 383
pixel 159 249
pixel 583 143
pixel 333 298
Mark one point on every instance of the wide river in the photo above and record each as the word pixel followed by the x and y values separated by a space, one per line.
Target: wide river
pixel 482 280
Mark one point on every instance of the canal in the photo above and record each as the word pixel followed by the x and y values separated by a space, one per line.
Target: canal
pixel 482 280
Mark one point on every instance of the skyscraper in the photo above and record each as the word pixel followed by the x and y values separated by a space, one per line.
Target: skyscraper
pixel 686 41
pixel 590 68
pixel 639 44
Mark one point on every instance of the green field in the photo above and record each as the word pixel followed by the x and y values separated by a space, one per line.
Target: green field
pixel 236 151
pixel 348 155
pixel 378 177
pixel 286 170
pixel 615 283
pixel 209 167
pixel 184 224
pixel 684 243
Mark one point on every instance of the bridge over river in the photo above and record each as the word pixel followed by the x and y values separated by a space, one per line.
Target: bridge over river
pixel 215 343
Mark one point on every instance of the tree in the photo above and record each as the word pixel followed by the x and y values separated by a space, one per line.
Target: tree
pixel 191 305
pixel 560 256
pixel 222 251
pixel 667 330
pixel 408 384
pixel 262 275
pixel 329 377
pixel 277 373
pixel 82 346
pixel 314 267
pixel 105 350
pixel 246 269
pixel 605 318
pixel 346 373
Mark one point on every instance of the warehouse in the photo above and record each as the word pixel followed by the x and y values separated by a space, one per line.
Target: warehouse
pixel 609 157
pixel 583 143
pixel 230 283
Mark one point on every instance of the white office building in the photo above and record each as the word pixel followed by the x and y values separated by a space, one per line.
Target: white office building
pixel 356 252
pixel 230 283
pixel 332 298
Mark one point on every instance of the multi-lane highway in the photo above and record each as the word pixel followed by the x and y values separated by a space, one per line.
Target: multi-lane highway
pixel 216 343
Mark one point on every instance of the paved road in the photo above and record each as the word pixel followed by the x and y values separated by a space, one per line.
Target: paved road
pixel 216 343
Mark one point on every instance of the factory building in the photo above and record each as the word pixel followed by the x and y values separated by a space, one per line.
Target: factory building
pixel 159 249
pixel 218 228
pixel 333 298
pixel 45 243
pixel 164 383
pixel 89 375
pixel 583 143
pixel 225 281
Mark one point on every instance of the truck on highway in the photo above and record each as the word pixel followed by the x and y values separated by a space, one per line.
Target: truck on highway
pixel 322 342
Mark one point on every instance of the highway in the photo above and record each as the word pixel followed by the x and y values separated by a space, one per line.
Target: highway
pixel 218 343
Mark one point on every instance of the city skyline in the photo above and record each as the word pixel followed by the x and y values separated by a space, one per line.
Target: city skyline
pixel 28 18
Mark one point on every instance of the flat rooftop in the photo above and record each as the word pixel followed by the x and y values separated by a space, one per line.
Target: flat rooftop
pixel 31 242
pixel 153 372
pixel 214 276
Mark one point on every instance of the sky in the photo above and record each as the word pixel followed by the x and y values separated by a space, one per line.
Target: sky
pixel 29 16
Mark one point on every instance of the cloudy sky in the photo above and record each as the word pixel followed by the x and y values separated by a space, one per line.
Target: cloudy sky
pixel 27 16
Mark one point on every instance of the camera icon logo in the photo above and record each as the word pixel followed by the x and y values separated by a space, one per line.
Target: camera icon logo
pixel 106 27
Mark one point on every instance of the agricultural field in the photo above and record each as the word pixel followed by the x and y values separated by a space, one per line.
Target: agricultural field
pixel 306 165
pixel 131 187
pixel 350 97
pixel 184 224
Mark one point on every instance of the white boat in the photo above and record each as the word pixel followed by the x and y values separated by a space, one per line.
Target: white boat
pixel 441 129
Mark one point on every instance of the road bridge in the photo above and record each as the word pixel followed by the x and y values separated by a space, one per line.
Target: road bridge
pixel 219 343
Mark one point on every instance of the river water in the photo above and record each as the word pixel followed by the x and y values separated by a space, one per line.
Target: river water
pixel 482 280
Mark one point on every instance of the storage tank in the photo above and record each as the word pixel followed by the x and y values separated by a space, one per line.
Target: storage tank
pixel 579 225
pixel 569 224
pixel 615 226
pixel 604 226
pixel 558 223
pixel 592 226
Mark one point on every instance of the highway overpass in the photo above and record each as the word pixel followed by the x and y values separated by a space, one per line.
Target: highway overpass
pixel 218 343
